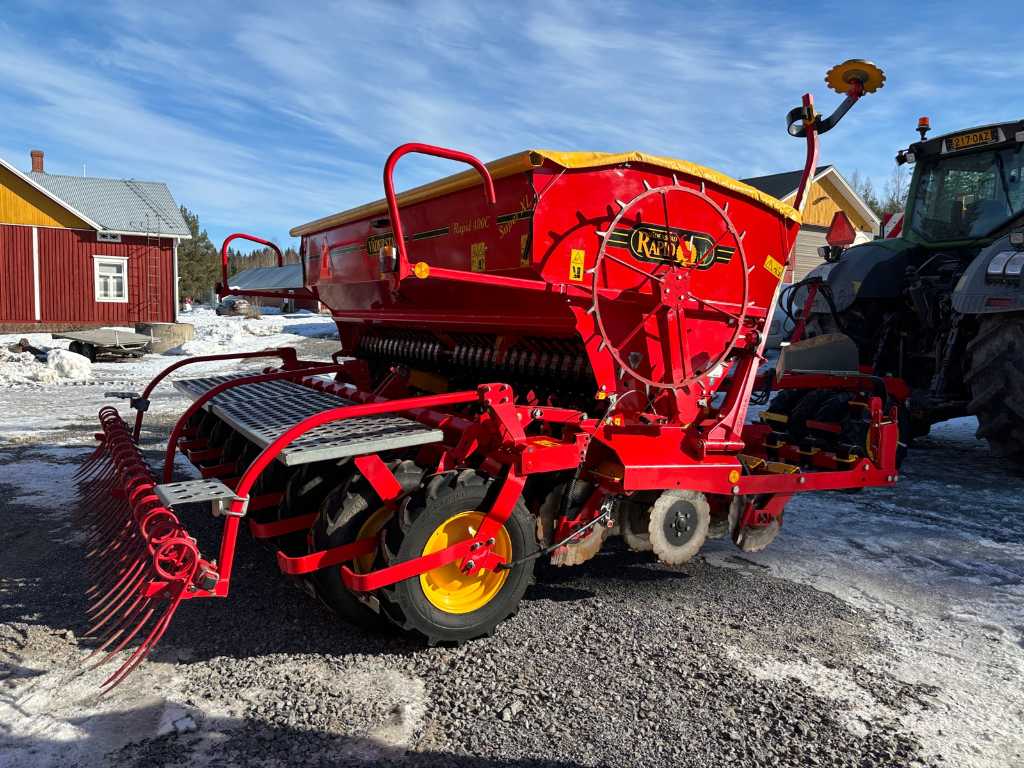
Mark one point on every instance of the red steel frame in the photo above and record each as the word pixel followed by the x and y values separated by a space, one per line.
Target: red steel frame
pixel 498 438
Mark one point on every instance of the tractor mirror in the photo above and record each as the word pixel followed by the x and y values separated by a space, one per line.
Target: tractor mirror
pixel 841 232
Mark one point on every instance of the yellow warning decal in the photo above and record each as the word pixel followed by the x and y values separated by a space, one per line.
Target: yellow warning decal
pixel 774 267
pixel 577 260
pixel 478 257
pixel 524 253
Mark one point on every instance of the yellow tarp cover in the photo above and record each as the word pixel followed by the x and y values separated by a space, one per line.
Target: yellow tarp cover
pixel 532 158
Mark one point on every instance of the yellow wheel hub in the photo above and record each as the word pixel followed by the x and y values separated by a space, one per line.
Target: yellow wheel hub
pixel 372 527
pixel 448 588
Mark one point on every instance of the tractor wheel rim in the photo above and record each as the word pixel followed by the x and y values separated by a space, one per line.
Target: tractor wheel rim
pixel 449 589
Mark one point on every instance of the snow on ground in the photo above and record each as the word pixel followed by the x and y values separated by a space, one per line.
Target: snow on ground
pixel 38 396
pixel 938 558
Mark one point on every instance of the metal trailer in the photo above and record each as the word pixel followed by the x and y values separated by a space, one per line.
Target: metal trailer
pixel 102 342
pixel 568 356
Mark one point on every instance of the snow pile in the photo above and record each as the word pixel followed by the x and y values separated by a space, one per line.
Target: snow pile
pixel 69 365
pixel 18 369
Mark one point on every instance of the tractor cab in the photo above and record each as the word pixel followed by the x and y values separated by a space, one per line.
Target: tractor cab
pixel 967 186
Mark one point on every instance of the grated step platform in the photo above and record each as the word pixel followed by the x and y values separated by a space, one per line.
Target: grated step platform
pixel 264 411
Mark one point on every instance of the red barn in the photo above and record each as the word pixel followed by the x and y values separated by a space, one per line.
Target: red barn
pixel 78 251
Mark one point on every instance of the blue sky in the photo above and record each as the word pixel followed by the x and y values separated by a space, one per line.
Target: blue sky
pixel 261 116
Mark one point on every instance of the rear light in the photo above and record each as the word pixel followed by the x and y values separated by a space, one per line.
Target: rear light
pixel 1000 301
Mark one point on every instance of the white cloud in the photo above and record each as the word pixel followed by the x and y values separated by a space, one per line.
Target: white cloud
pixel 270 114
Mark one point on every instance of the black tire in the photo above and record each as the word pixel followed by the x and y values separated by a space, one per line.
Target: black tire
pixel 89 351
pixel 444 497
pixel 343 512
pixel 995 376
pixel 76 347
pixel 305 491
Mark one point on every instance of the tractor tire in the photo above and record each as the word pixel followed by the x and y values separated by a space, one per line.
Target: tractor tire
pixel 443 605
pixel 995 376
pixel 353 510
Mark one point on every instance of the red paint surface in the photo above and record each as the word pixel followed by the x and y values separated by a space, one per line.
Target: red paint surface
pixel 16 304
pixel 67 292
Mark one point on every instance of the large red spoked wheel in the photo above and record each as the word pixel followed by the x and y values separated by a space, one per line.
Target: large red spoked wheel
pixel 670 286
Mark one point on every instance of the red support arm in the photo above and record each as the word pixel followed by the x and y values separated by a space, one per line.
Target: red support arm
pixel 238 505
pixel 389 189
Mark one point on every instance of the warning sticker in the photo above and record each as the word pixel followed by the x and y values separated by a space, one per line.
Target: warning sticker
pixel 577 260
pixel 774 267
pixel 478 257
pixel 524 252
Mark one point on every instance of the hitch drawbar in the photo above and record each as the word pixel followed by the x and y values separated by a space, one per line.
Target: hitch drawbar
pixel 141 561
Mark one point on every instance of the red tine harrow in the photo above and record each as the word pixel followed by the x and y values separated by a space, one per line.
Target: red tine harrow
pixel 141 559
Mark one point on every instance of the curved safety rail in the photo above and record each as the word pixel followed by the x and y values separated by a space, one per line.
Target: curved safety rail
pixel 237 508
pixel 289 360
pixel 199 402
pixel 389 188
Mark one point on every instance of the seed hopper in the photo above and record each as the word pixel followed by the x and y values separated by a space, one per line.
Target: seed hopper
pixel 536 355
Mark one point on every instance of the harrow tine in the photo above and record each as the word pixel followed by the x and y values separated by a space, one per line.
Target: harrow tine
pixel 124 586
pixel 146 646
pixel 127 639
pixel 138 554
pixel 129 611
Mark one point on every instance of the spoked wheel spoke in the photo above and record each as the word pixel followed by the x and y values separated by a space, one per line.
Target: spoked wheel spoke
pixel 634 267
pixel 714 306
pixel 655 314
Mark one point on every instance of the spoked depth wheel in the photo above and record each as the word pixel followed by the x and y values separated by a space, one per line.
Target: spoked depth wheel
pixel 670 286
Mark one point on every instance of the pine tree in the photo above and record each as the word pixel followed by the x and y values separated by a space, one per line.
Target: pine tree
pixel 198 262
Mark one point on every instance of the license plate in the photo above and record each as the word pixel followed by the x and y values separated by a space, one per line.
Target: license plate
pixel 972 139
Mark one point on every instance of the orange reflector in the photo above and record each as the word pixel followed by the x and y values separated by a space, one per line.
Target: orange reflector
pixel 421 269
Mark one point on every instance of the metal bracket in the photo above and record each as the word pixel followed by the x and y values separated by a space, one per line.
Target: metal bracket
pixel 196 492
pixel 135 400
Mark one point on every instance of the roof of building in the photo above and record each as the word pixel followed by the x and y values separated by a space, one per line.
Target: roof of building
pixel 118 205
pixel 267 278
pixel 782 185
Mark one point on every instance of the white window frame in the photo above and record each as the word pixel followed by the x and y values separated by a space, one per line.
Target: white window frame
pixel 122 262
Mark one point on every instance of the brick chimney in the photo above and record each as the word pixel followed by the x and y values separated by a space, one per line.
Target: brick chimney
pixel 37 161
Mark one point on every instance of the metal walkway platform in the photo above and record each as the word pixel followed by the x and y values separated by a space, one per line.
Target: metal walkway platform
pixel 264 411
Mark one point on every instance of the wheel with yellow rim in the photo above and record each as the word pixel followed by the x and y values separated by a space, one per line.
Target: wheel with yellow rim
pixel 352 511
pixel 447 605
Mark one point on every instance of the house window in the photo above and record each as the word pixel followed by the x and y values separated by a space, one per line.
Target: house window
pixel 110 275
pixel 107 237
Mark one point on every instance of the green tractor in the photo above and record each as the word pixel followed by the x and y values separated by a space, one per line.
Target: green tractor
pixel 936 312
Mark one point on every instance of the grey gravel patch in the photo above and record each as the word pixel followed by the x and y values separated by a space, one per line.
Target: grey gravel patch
pixel 620 662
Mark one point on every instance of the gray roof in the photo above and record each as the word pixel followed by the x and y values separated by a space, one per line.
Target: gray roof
pixel 267 278
pixel 781 185
pixel 119 205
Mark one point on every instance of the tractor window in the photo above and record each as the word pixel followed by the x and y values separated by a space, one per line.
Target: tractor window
pixel 967 196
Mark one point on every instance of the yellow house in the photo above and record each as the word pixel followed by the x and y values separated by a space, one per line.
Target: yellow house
pixel 829 193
